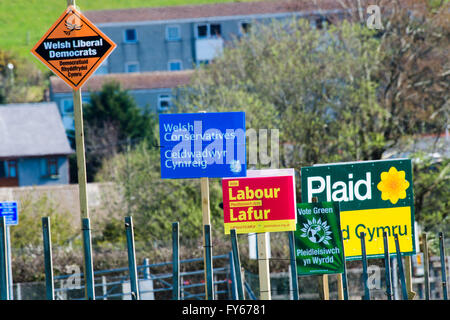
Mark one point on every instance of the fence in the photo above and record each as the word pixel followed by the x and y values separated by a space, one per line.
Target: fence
pixel 114 284
pixel 146 282
pixel 281 283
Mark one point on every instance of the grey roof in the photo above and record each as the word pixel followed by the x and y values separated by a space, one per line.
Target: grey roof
pixel 32 129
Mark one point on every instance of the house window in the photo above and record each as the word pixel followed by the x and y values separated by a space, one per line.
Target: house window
pixel 322 23
pixel 208 30
pixel 132 67
pixel 173 33
pixel 8 169
pixel 244 27
pixel 202 62
pixel 215 30
pixel 3 169
pixel 164 102
pixel 67 107
pixel 202 31
pixel 130 35
pixel 175 65
pixel 49 167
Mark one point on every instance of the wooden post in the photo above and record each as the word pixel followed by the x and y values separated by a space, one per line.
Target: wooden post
pixel 263 265
pixel 80 151
pixel 340 286
pixel 204 185
pixel 408 278
pixel 324 291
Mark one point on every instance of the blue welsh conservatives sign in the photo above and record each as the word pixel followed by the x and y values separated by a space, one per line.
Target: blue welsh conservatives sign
pixel 196 145
pixel 9 211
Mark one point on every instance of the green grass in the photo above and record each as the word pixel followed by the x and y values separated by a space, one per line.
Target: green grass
pixel 24 22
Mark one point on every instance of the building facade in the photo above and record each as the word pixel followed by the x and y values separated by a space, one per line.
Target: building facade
pixel 159 46
pixel 182 37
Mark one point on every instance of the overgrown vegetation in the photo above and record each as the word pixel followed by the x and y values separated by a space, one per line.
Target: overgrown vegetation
pixel 342 93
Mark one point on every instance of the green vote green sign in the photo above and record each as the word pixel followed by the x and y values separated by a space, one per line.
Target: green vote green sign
pixel 318 244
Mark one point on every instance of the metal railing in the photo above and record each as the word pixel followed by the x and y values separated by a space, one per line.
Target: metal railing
pixel 115 283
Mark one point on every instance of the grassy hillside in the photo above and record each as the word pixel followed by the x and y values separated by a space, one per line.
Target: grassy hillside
pixel 24 22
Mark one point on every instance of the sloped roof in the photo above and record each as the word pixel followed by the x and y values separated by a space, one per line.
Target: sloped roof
pixel 209 10
pixel 32 129
pixel 129 81
pixel 230 9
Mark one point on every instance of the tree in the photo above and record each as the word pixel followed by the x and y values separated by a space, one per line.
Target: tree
pixel 343 93
pixel 413 73
pixel 28 233
pixel 153 202
pixel 310 84
pixel 432 193
pixel 113 122
pixel 20 80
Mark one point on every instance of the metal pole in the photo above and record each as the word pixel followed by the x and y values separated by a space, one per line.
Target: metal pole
pixel 88 264
pixel 234 294
pixel 132 258
pixel 443 266
pixel 387 267
pixel 362 236
pixel 400 268
pixel 146 272
pixel 209 263
pixel 344 274
pixel 426 266
pixel 237 264
pixel 104 288
pixel 206 218
pixel 8 258
pixel 175 262
pixel 49 282
pixel 293 265
pixel 4 284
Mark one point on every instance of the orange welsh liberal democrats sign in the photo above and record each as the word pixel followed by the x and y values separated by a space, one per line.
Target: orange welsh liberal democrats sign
pixel 73 48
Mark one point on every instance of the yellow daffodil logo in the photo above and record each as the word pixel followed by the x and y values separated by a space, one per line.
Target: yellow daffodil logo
pixel 393 185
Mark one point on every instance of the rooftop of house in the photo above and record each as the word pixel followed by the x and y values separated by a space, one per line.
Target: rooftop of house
pixel 32 130
pixel 209 10
pixel 230 9
pixel 129 81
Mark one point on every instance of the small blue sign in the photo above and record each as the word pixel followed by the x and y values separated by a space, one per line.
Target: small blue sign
pixel 197 145
pixel 9 211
